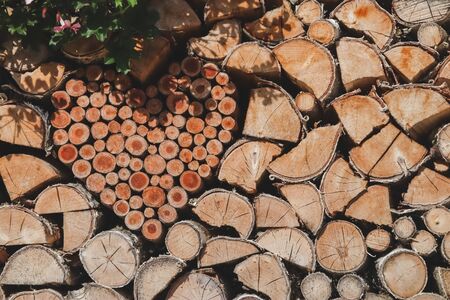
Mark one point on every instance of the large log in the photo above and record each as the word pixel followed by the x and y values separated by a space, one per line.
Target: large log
pixel 216 10
pixel 420 11
pixel 46 294
pixel 46 77
pixel 93 291
pixel 197 286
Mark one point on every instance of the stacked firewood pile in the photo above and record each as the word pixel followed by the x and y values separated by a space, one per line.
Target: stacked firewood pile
pixel 327 178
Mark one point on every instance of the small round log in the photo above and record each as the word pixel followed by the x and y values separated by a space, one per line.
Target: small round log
pixel 185 239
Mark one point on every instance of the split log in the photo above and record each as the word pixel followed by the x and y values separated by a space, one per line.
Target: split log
pixel 411 61
pixel 427 189
pixel 370 117
pixel 372 206
pixel 445 247
pixel 251 61
pixel 339 186
pixel 23 174
pixel 420 12
pixel 22 124
pixel 225 250
pixel 316 286
pixel 309 11
pixel 84 50
pixel 36 265
pixel 359 15
pixel 403 273
pixel 217 10
pixel 388 156
pixel 217 44
pixel 293 53
pixel 442 277
pixel 423 243
pixel 378 240
pixel 312 155
pixel 197 286
pixel 306 200
pixel 341 253
pixel 273 212
pixel 270 113
pixel 443 75
pixel 220 207
pixel 351 287
pixel 79 227
pixel 20 57
pixel 111 258
pixel 443 142
pixel 290 244
pixel 46 294
pixel 325 31
pixel 154 275
pixel 22 226
pixel 41 80
pixel 437 220
pixel 373 296
pixel 404 228
pixel 427 296
pixel 93 291
pixel 352 53
pixel 185 239
pixel 266 274
pixel 275 26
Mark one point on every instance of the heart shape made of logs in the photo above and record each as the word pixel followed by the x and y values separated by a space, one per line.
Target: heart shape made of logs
pixel 144 152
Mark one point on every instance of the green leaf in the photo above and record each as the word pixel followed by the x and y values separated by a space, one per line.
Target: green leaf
pixel 132 3
pixel 118 3
pixel 109 60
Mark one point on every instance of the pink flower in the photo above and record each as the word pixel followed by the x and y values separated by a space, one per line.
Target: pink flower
pixel 27 2
pixel 44 12
pixel 65 24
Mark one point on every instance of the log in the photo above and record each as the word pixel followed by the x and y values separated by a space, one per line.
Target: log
pixel 427 296
pixel 79 227
pixel 95 182
pixel 324 31
pixel 403 273
pixel 378 240
pixel 217 44
pixel 46 294
pixel 154 276
pixel 45 78
pixel 67 154
pixel 411 61
pixel 437 220
pixel 20 181
pixel 290 244
pixel 387 156
pixel 316 286
pixel 78 133
pixel 134 219
pixel 185 239
pixel 442 277
pixel 359 15
pixel 339 186
pixel 341 253
pixel 87 152
pixel 84 50
pixel 352 53
pixel 24 125
pixel 422 11
pixel 60 119
pixel 270 113
pixel 36 265
pixel 371 115
pixel 220 207
pixel 322 142
pixel 443 74
pixel 75 88
pixel 61 99
pixel 111 258
pixel 17 56
pixel 423 243
pixel 216 10
pixel 275 25
pixel 152 230
pixel 351 287
pixel 22 226
pixel 445 247
pixel 443 142
pixel 272 212
pixel 306 200
pixel 404 228
pixel 197 286
pixel 251 61
pixel 372 206
pixel 93 291
pixel 191 181
pixel 309 11
pixel 265 274
pixel 427 189
pixel 305 75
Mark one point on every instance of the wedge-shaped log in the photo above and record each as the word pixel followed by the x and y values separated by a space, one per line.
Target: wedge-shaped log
pixel 266 274
pixel 290 244
pixel 339 186
pixel 41 80
pixel 220 207
pixel 443 142
pixel 197 286
pixel 154 275
pixel 371 115
pixel 372 206
pixel 420 11
pixel 216 10
pixel 368 17
pixel 388 156
pixel 418 110
pixel 310 157
pixel 306 200
pixel 21 226
pixel 225 250
pixel 427 189
pixel 245 163
pixel 411 60
pixel 36 265
pixel 443 74
pixel 304 61
pixel 79 227
pixel 220 40
pixel 273 212
pixel 46 294
pixel 272 114
pixel 445 247
pixel 276 25
pixel 22 174
pixel 353 53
